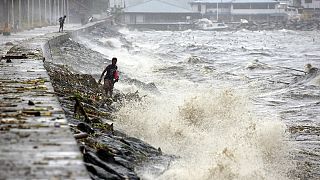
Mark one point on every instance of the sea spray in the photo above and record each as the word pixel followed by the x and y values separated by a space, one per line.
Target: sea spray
pixel 162 57
pixel 214 134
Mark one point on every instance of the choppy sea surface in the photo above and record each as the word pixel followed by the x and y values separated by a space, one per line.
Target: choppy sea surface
pixel 232 105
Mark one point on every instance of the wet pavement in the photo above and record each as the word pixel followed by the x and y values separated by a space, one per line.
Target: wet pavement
pixel 35 139
pixel 24 35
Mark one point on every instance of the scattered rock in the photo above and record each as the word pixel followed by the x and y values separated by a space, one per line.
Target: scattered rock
pixel 81 136
pixel 84 127
pixel 100 173
pixel 160 151
pixel 30 103
pixel 108 153
pixel 9 44
pixel 57 124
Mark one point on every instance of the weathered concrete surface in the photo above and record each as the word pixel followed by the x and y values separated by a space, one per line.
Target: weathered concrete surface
pixel 35 139
pixel 24 35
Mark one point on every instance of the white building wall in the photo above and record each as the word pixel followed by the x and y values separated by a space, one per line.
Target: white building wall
pixel 312 5
pixel 233 11
pixel 127 19
pixel 140 19
pixel 220 10
pixel 255 11
pixel 194 7
pixel 203 9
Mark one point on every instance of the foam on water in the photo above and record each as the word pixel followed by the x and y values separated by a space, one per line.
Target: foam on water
pixel 205 117
pixel 134 65
pixel 214 133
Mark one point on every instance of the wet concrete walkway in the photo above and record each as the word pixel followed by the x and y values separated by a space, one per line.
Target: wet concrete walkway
pixel 25 35
pixel 35 139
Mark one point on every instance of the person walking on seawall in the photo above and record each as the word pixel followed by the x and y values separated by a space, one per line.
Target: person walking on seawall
pixel 61 21
pixel 111 77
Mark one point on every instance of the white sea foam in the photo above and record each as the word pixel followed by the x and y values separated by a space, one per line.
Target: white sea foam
pixel 213 129
pixel 214 133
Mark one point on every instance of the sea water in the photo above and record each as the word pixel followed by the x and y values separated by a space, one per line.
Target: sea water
pixel 232 105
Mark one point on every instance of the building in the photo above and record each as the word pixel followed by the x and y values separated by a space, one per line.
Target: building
pixel 310 4
pixel 234 10
pixel 158 13
pixel 311 9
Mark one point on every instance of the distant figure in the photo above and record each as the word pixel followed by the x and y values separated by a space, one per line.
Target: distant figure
pixel 309 69
pixel 6 30
pixel 61 21
pixel 111 77
pixel 90 19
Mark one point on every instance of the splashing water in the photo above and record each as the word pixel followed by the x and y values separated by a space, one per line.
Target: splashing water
pixel 214 134
pixel 218 132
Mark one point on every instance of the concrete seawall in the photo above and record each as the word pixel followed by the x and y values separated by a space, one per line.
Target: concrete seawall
pixel 35 139
pixel 56 40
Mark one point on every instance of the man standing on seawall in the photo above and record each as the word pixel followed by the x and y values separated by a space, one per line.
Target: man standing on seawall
pixel 61 21
pixel 111 77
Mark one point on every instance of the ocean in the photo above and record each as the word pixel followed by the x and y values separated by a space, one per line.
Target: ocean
pixel 231 105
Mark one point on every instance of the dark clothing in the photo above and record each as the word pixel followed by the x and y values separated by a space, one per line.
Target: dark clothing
pixel 108 86
pixel 109 78
pixel 111 69
pixel 61 21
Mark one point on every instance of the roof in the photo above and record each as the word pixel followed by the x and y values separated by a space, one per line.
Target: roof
pixel 254 1
pixel 157 6
pixel 210 1
pixel 233 1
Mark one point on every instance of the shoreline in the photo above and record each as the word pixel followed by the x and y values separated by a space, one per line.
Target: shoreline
pixel 107 153
pixel 311 25
pixel 35 137
pixel 303 25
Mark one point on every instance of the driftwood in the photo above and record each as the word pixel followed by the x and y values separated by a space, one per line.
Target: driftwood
pixel 23 56
pixel 81 136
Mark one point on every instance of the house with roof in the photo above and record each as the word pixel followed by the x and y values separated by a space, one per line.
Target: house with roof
pixel 234 10
pixel 311 8
pixel 310 4
pixel 158 14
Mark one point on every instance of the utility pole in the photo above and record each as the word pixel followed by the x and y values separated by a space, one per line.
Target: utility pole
pixel 8 12
pixel 20 14
pixel 40 12
pixel 68 18
pixel 45 11
pixel 28 13
pixel 64 7
pixel 58 9
pixel 32 9
pixel 50 12
pixel 55 11
pixel 12 12
pixel 217 11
